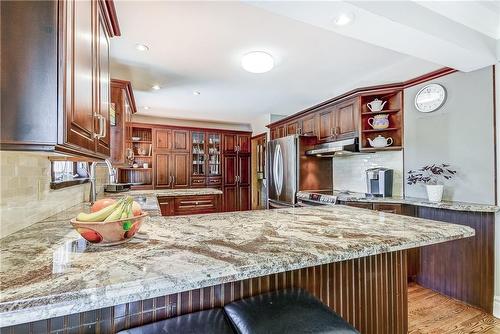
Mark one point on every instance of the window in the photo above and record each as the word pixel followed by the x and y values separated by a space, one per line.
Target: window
pixel 68 173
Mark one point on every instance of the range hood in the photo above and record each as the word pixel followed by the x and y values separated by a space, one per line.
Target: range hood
pixel 336 149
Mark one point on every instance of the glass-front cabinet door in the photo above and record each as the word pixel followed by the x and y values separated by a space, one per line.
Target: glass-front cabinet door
pixel 198 153
pixel 214 154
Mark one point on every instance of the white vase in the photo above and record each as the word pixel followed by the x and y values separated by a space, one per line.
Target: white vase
pixel 434 192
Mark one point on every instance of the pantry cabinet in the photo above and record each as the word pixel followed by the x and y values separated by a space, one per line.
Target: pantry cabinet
pixel 61 101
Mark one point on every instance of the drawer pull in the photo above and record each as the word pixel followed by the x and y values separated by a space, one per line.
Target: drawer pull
pixel 166 203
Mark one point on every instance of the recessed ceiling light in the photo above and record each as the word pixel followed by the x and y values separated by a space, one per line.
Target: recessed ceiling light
pixel 145 108
pixel 196 92
pixel 344 19
pixel 257 62
pixel 142 47
pixel 156 87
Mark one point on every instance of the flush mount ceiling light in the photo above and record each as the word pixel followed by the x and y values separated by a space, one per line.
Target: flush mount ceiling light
pixel 142 47
pixel 344 19
pixel 196 92
pixel 156 87
pixel 257 62
pixel 145 108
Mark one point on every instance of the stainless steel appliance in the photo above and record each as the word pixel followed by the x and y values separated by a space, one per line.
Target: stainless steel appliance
pixel 291 170
pixel 337 148
pixel 379 181
pixel 315 198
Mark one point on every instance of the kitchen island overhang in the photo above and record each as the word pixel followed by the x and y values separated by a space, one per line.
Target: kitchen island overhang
pixel 179 255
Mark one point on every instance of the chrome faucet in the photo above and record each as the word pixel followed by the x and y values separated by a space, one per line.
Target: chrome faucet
pixel 111 177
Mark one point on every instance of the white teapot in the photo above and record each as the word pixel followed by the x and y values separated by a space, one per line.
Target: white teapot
pixel 380 141
pixel 376 105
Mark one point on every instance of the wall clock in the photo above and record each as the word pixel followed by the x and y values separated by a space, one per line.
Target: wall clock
pixel 430 98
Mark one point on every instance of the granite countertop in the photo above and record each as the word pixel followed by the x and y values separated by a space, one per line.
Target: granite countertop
pixel 448 205
pixel 48 270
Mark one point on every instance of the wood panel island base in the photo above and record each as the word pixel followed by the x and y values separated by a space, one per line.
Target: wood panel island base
pixel 347 257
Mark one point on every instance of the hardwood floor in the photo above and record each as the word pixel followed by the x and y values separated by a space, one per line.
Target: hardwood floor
pixel 432 313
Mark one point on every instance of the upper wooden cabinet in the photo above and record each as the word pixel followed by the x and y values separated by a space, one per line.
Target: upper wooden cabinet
pixel 326 123
pixel 122 98
pixel 180 140
pixel 309 125
pixel 233 143
pixel 346 119
pixel 61 101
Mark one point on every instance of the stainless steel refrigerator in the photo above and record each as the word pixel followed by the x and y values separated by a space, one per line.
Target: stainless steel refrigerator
pixel 291 170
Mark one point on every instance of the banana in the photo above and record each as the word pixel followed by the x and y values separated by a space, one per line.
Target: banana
pixel 100 215
pixel 117 213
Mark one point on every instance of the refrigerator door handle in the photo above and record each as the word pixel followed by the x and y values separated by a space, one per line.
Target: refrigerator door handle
pixel 278 169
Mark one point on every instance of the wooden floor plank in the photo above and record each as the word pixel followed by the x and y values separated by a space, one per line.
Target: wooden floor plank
pixel 432 313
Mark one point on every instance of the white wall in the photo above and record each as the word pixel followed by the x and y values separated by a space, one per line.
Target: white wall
pixel 460 133
pixel 349 172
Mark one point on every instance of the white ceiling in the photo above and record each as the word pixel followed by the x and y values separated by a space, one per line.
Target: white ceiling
pixel 197 46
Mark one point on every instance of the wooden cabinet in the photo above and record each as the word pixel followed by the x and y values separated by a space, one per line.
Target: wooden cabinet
pixel 189 205
pixel 163 139
pixel 293 128
pixel 237 196
pixel 206 157
pixel 361 205
pixel 62 99
pixel 180 140
pixel 388 207
pixel 180 170
pixel 309 125
pixel 326 124
pixel 230 143
pixel 346 119
pixel 234 143
pixel 122 98
pixel 171 170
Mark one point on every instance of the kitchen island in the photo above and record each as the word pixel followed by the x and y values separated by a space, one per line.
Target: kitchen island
pixel 354 260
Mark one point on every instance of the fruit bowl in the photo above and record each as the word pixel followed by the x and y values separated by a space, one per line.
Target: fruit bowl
pixel 111 232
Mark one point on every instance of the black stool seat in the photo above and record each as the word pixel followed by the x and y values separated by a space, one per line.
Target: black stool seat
pixel 285 311
pixel 207 322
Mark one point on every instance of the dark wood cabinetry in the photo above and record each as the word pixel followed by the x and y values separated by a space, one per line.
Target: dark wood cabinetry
pixel 171 158
pixel 191 158
pixel 189 205
pixel 236 175
pixel 61 101
pixel 349 116
pixel 123 102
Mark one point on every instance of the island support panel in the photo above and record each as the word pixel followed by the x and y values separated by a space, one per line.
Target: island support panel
pixel 462 269
pixel 370 293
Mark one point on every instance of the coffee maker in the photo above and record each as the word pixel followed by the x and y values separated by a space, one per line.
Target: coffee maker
pixel 379 182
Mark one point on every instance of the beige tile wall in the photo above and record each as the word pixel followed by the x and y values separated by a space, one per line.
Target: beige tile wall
pixel 25 194
pixel 349 172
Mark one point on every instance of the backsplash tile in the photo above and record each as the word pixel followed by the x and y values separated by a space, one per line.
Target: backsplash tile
pixel 349 172
pixel 25 194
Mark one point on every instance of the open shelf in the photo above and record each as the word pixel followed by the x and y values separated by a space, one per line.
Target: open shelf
pixel 393 112
pixel 388 148
pixel 388 111
pixel 379 130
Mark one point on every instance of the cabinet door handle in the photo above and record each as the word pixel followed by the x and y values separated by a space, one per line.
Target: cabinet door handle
pixel 103 127
pixel 98 133
pixel 170 180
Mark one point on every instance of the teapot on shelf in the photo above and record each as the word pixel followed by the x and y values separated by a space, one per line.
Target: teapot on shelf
pixel 376 105
pixel 380 141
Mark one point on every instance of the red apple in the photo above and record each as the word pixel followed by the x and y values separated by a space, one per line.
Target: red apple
pixel 101 204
